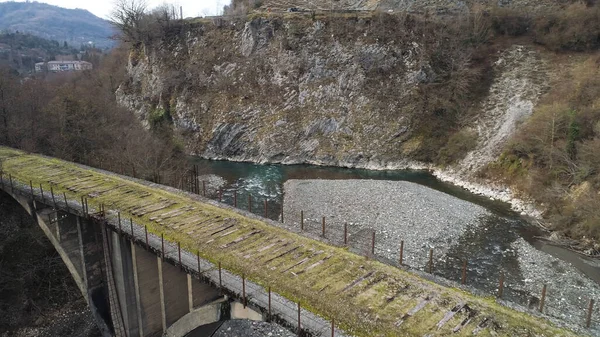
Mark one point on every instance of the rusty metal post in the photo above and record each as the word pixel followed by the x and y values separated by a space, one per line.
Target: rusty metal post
pixel 249 202
pixel 401 251
pixel 266 209
pixel 543 300
pixel 51 193
pixel 431 261
pixel 179 253
pixel 244 289
pixel 31 189
pixel 281 212
pixel 220 279
pixel 82 205
pixel 332 327
pixel 373 244
pixel 119 216
pixel 464 273
pixel 220 194
pixel 588 321
pixel 87 207
pixel 323 225
pixel 269 317
pixel 146 230
pixel 162 240
pixel 66 203
pixel 12 188
pixel 301 220
pixel 501 286
pixel 198 258
pixel 203 188
pixel 235 198
pixel 42 193
pixel 345 233
pixel 131 227
pixel 299 325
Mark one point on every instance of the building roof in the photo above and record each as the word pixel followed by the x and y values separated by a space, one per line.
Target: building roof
pixel 63 62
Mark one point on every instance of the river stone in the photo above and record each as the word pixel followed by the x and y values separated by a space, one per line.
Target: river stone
pixel 246 328
pixel 397 210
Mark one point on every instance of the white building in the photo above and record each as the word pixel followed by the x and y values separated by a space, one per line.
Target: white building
pixel 58 66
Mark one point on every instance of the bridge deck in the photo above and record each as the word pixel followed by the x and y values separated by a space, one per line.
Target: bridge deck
pixel 366 298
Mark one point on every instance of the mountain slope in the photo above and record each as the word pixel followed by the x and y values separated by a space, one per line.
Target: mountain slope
pixel 76 26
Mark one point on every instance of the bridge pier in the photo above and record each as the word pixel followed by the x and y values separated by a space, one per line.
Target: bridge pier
pixel 174 293
pixel 147 292
pixel 123 270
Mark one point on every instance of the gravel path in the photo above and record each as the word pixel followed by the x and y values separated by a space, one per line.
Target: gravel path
pixel 396 210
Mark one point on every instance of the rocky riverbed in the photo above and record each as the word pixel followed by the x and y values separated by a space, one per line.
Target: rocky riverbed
pixel 245 328
pixel 396 210
pixel 455 229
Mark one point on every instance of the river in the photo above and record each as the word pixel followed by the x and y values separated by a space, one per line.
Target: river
pixel 501 243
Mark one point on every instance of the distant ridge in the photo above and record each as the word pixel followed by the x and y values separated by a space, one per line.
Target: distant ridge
pixel 76 26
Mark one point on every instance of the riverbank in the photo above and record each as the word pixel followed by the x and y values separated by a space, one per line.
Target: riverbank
pixel 527 208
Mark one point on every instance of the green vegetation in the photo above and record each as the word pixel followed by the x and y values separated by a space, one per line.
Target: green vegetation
pixel 459 144
pixel 554 158
pixel 75 116
pixel 327 283
pixel 21 51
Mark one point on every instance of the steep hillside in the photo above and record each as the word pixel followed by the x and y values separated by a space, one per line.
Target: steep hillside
pixel 365 91
pixel 76 26
pixel 431 6
pixel 469 97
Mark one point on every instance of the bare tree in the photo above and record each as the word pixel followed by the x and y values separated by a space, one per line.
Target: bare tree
pixel 128 16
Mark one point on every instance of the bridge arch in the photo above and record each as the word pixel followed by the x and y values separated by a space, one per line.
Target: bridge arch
pixel 130 291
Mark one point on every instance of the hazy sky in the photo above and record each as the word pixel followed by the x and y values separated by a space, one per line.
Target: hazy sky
pixel 102 8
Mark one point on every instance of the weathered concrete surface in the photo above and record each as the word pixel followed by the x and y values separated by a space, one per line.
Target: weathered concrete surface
pixel 148 288
pixel 174 292
pixel 122 264
pixel 207 314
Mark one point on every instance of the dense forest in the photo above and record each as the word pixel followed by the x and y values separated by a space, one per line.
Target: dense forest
pixel 75 116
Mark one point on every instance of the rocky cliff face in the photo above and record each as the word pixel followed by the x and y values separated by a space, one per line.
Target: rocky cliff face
pixel 375 91
pixel 436 6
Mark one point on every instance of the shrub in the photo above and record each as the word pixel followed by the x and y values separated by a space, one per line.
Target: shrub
pixel 459 144
pixel 510 22
pixel 576 28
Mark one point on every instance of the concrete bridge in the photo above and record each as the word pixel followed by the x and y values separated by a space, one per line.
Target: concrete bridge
pixel 151 260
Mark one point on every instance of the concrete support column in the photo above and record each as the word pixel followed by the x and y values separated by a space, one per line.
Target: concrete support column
pixel 125 287
pixel 173 288
pixel 147 287
pixel 190 292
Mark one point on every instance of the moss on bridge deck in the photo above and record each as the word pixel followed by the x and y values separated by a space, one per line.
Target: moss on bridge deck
pixel 366 298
